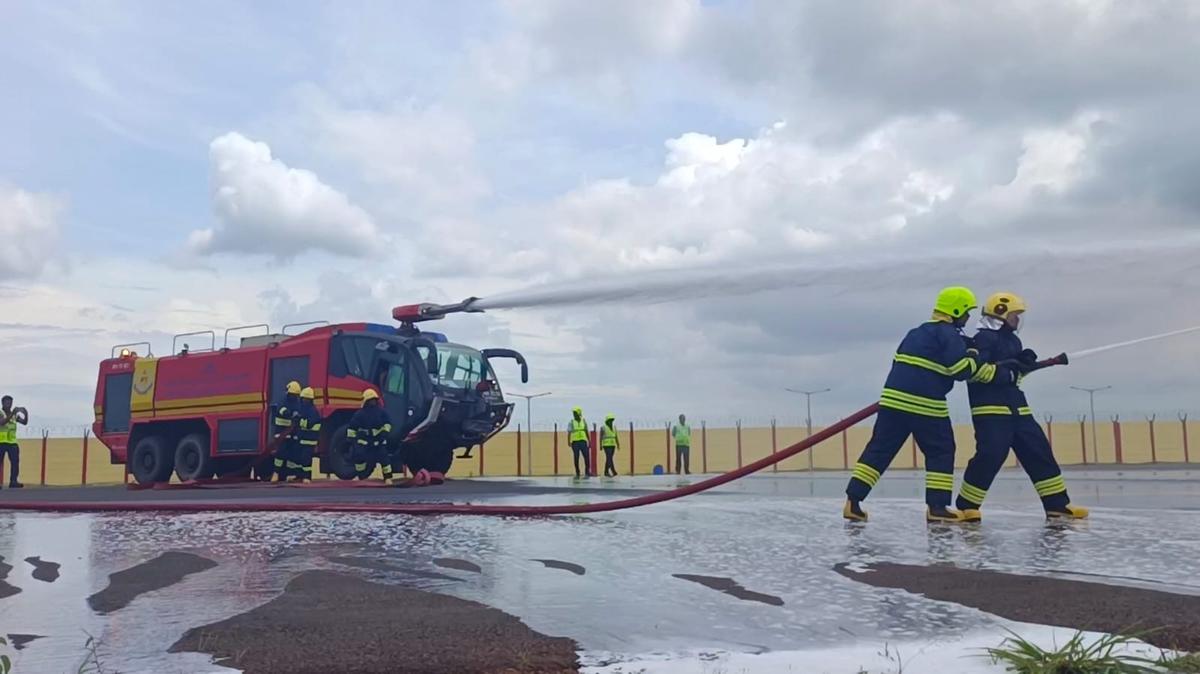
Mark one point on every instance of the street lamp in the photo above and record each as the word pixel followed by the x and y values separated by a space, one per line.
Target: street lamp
pixel 529 425
pixel 1092 401
pixel 808 414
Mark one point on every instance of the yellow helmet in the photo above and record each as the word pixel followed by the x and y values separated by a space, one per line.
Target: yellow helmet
pixel 955 301
pixel 307 393
pixel 369 394
pixel 1002 305
pixel 293 388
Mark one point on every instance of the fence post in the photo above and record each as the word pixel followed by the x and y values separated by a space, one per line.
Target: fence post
pixel 556 449
pixel 46 441
pixel 1083 436
pixel 774 447
pixel 83 477
pixel 1186 456
pixel 482 445
pixel 632 447
pixel 1153 444
pixel 739 443
pixel 518 450
pixel 1116 424
pixel 704 446
pixel 845 450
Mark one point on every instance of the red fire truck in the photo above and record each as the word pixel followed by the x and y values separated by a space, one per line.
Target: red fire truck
pixel 207 412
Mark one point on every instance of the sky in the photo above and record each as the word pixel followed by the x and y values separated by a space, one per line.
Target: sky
pixel 174 167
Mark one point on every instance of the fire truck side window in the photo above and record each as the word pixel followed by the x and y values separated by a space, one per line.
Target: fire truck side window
pixel 394 383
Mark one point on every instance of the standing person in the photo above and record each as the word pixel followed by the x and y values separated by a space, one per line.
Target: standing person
pixel 609 442
pixel 1003 419
pixel 308 433
pixel 929 360
pixel 683 446
pixel 9 418
pixel 369 430
pixel 577 436
pixel 284 427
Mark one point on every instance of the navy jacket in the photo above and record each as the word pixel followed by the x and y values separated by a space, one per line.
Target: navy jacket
pixel 1002 396
pixel 929 360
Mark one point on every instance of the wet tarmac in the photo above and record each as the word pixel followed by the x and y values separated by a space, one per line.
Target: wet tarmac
pixel 747 568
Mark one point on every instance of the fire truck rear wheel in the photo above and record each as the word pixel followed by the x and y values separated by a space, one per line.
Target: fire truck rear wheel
pixel 192 460
pixel 152 461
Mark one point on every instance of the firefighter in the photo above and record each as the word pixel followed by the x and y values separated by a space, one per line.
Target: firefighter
pixel 308 433
pixel 929 360
pixel 284 428
pixel 577 436
pixel 1003 419
pixel 9 418
pixel 609 442
pixel 369 430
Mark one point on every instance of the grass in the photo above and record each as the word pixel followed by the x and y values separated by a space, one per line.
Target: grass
pixel 1188 663
pixel 5 661
pixel 1074 657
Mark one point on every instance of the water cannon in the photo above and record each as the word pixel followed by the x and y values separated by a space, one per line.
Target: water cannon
pixel 426 311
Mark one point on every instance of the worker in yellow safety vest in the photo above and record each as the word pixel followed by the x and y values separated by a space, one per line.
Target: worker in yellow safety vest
pixel 9 418
pixel 683 446
pixel 577 436
pixel 609 442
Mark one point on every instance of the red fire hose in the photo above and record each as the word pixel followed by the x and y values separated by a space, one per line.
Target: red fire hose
pixel 452 508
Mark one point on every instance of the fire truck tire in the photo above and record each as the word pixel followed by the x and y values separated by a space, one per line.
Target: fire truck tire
pixel 338 460
pixel 192 459
pixel 152 460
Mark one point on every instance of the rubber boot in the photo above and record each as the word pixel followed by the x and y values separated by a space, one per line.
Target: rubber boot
pixel 942 515
pixel 969 511
pixel 853 511
pixel 1067 512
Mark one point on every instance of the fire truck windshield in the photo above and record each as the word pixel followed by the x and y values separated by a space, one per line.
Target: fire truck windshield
pixel 459 366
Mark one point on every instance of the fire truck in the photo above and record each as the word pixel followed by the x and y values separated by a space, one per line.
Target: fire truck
pixel 206 412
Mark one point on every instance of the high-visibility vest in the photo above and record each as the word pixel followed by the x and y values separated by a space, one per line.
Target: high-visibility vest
pixel 683 435
pixel 8 431
pixel 608 436
pixel 578 430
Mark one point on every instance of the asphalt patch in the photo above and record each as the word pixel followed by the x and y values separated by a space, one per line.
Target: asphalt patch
pixel 457 564
pixel 731 588
pixel 6 590
pixel 373 564
pixel 47 572
pixel 1164 619
pixel 163 571
pixel 332 622
pixel 19 641
pixel 565 566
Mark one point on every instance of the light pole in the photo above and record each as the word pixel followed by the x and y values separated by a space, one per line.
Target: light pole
pixel 1092 402
pixel 808 414
pixel 529 426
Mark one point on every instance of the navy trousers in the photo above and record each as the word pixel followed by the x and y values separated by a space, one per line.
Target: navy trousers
pixel 935 439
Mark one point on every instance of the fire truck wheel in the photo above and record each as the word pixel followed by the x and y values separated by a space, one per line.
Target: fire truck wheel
pixel 338 460
pixel 192 460
pixel 152 460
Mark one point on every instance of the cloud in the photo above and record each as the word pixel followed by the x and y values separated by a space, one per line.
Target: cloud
pixel 29 231
pixel 264 207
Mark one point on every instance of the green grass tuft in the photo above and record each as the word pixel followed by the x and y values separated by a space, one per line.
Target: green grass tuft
pixel 1188 663
pixel 1075 657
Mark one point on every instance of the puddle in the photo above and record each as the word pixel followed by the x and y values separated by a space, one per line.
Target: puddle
pixel 457 564
pixel 163 571
pixel 731 588
pixel 565 566
pixel 47 572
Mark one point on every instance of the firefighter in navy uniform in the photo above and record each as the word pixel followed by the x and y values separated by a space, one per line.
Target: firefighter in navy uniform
pixel 284 430
pixel 308 433
pixel 929 360
pixel 368 431
pixel 1003 419
pixel 609 442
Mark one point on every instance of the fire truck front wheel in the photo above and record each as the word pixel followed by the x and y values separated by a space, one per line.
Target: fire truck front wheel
pixel 152 461
pixel 192 460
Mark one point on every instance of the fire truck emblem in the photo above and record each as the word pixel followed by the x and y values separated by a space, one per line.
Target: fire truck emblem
pixel 144 381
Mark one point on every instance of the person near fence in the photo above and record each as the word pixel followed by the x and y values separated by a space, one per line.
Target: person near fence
pixel 577 436
pixel 284 428
pixel 682 433
pixel 369 430
pixel 930 358
pixel 9 418
pixel 308 433
pixel 1003 419
pixel 609 442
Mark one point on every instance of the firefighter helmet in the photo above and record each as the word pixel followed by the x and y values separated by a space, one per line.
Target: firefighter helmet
pixel 955 301
pixel 293 388
pixel 307 393
pixel 1002 305
pixel 369 394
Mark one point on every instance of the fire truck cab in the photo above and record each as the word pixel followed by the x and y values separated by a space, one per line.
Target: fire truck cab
pixel 207 412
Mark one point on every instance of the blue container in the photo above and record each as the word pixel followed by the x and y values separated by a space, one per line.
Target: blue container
pixel 658 469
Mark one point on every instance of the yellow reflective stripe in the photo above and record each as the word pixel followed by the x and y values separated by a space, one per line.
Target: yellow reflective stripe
pixel 917 361
pixel 903 396
pixel 985 374
pixel 279 463
pixel 363 442
pixel 1049 486
pixel 1025 411
pixel 351 433
pixel 382 430
pixel 982 410
pixel 963 364
pixel 866 473
pixel 942 481
pixel 972 493
pixel 283 421
pixel 913 409
pixel 308 442
pixel 292 464
pixel 360 466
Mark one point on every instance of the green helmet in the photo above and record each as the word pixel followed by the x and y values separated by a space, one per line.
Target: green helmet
pixel 955 301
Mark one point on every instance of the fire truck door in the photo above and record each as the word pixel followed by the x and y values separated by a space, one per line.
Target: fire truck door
pixel 392 378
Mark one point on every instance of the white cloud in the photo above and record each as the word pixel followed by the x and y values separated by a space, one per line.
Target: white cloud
pixel 29 231
pixel 264 207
